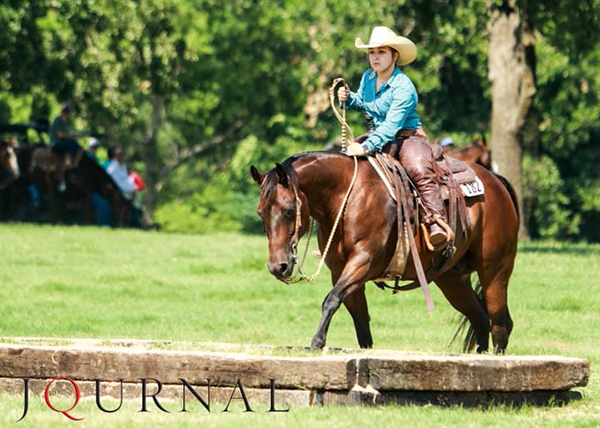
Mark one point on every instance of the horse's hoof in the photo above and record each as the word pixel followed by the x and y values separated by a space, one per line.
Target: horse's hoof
pixel 317 344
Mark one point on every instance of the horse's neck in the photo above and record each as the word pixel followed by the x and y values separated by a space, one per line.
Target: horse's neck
pixel 322 178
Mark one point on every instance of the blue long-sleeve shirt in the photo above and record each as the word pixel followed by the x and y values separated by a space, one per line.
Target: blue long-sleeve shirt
pixel 392 108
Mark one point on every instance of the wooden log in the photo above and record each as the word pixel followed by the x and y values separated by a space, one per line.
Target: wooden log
pixel 473 373
pixel 396 372
pixel 79 363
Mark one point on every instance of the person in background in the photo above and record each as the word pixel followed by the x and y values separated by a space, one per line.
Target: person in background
pixel 93 145
pixel 110 155
pixel 137 211
pixel 63 142
pixel 447 144
pixel 100 205
pixel 117 169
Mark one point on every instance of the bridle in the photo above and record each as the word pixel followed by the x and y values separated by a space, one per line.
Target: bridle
pixel 296 236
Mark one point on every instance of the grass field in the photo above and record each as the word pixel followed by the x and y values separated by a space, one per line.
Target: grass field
pixel 86 282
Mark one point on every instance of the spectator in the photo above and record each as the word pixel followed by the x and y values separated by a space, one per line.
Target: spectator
pixel 447 142
pixel 93 145
pixel 117 169
pixel 110 155
pixel 100 205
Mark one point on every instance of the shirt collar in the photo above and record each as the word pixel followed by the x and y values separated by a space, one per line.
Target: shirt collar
pixel 395 73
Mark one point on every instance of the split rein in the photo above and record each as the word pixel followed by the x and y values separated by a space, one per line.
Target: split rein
pixel 296 237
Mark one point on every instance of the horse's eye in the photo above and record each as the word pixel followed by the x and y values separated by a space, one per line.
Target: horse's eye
pixel 289 213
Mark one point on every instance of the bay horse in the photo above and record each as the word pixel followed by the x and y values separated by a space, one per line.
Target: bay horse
pixel 9 166
pixel 477 152
pixel 365 241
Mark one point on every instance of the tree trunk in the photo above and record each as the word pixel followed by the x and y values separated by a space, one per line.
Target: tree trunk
pixel 151 155
pixel 511 72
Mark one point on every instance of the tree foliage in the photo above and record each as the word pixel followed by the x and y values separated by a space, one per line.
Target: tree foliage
pixel 197 91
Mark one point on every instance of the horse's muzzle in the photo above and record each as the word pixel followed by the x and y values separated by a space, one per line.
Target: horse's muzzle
pixel 281 270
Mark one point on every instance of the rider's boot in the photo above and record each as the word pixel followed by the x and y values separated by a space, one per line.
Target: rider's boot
pixel 416 157
pixel 437 235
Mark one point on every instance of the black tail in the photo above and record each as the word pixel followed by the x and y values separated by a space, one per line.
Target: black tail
pixel 512 193
pixel 470 340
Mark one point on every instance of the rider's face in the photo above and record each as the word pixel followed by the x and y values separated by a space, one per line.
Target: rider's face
pixel 381 59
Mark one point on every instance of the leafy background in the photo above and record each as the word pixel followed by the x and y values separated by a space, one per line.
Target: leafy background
pixel 197 91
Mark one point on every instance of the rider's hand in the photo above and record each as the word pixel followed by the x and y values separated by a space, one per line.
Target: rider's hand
pixel 355 149
pixel 343 94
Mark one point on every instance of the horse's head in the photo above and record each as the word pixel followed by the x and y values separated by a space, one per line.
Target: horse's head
pixel 485 154
pixel 9 167
pixel 283 209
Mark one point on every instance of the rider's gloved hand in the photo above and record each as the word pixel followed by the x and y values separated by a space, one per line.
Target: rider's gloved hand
pixel 343 94
pixel 355 149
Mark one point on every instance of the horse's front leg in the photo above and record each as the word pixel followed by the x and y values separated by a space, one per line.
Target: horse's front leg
pixel 352 279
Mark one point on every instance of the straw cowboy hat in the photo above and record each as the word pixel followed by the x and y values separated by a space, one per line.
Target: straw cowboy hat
pixel 383 36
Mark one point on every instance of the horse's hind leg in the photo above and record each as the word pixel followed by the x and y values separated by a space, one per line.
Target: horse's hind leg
pixel 495 285
pixel 456 286
pixel 356 303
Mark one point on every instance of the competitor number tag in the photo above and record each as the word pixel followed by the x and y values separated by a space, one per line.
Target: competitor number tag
pixel 472 188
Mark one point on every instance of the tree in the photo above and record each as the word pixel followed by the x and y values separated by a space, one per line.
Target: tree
pixel 572 26
pixel 511 72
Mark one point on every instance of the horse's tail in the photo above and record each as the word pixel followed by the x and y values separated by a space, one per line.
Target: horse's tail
pixel 512 193
pixel 470 339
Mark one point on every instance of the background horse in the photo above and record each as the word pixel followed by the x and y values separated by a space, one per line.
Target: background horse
pixel 366 239
pixel 477 152
pixel 88 178
pixel 82 182
pixel 9 167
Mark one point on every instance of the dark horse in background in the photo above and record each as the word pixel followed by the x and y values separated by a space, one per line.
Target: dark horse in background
pixel 366 239
pixel 82 182
pixel 9 165
pixel 477 152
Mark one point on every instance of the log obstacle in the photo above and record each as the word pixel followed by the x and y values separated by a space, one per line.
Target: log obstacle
pixel 341 377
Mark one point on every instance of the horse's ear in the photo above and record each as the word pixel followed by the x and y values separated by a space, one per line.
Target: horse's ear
pixel 256 175
pixel 283 178
pixel 481 141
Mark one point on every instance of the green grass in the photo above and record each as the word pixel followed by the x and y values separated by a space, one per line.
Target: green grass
pixel 63 282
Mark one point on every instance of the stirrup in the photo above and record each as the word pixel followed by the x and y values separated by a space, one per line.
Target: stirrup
pixel 447 229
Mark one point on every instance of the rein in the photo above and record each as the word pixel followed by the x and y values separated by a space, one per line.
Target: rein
pixel 296 237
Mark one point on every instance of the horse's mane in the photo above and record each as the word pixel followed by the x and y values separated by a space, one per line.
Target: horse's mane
pixel 316 153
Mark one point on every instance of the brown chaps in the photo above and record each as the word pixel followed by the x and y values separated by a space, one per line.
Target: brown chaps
pixel 415 155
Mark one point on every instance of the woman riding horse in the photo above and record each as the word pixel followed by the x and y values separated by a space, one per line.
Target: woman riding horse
pixel 390 98
pixel 315 185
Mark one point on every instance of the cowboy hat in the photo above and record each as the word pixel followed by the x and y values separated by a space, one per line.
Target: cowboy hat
pixel 383 36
